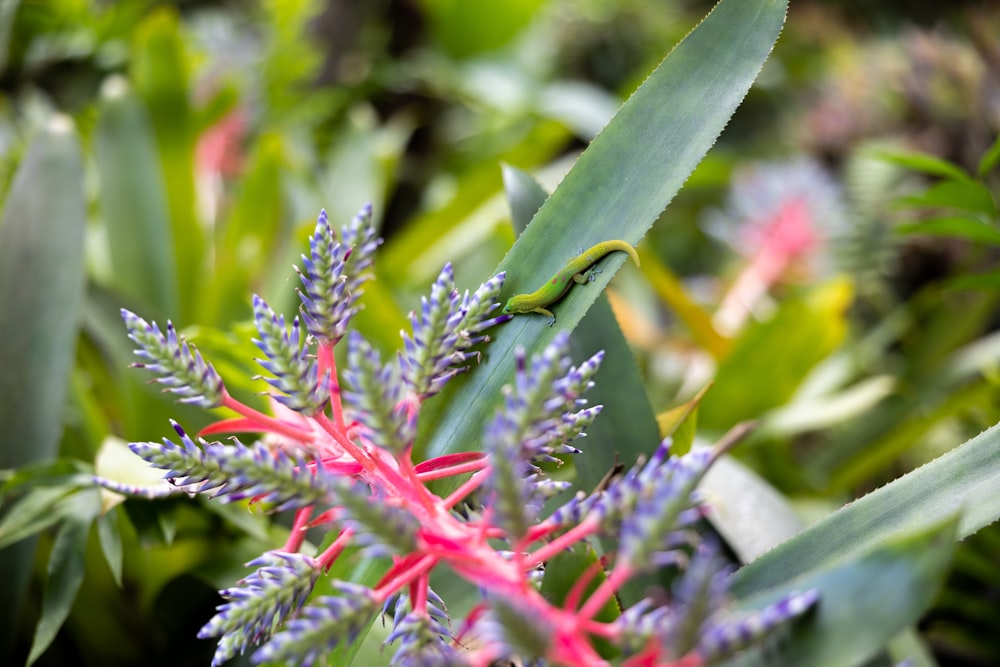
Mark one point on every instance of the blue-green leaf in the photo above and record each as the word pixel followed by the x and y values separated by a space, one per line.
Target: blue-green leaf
pixel 134 205
pixel 864 601
pixel 617 189
pixel 41 290
pixel 966 480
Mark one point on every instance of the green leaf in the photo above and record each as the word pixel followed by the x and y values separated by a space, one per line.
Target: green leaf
pixel 680 423
pixel 986 281
pixel 776 355
pixel 864 602
pixel 56 472
pixel 970 196
pixel 989 159
pixel 966 480
pixel 749 513
pixel 160 70
pixel 922 162
pixel 41 291
pixel 8 12
pixel 968 228
pixel 617 189
pixel 694 317
pixel 467 29
pixel 626 427
pixel 37 510
pixel 246 519
pixel 134 204
pixel 524 196
pixel 65 570
pixel 109 534
pixel 252 233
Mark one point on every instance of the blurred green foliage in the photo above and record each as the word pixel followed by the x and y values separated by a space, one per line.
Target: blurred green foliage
pixel 212 133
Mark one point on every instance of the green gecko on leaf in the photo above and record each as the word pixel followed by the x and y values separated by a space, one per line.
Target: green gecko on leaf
pixel 577 270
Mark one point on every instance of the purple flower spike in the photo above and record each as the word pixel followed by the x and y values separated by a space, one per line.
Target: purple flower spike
pixel 373 394
pixel 326 294
pixel 444 331
pixel 262 600
pixel 726 636
pixel 179 365
pixel 321 626
pixel 295 374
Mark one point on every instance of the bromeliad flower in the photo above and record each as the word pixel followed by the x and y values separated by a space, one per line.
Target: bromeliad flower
pixel 778 215
pixel 343 459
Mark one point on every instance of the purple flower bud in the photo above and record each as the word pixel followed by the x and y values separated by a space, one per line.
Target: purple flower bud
pixel 262 600
pixel 373 394
pixel 321 626
pixel 180 366
pixel 295 373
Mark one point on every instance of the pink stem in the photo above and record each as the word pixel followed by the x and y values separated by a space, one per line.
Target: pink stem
pixel 452 471
pixel 570 537
pixel 461 492
pixel 298 534
pixel 420 568
pixel 267 422
pixel 327 557
pixel 618 576
pixel 327 362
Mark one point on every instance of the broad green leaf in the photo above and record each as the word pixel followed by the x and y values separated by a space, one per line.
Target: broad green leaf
pixel 750 514
pixel 989 159
pixel 770 359
pixel 864 601
pixel 38 509
pixel 813 413
pixel 109 534
pixel 134 205
pixel 922 162
pixel 680 423
pixel 41 290
pixel 160 71
pixel 617 189
pixel 970 196
pixel 252 234
pixel 626 427
pixel 965 480
pixel 694 317
pixel 250 521
pixel 524 196
pixel 65 570
pixel 968 228
pixel 64 472
pixel 467 29
pixel 8 11
pixel 990 281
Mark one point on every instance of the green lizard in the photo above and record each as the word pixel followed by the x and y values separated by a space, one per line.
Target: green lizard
pixel 577 270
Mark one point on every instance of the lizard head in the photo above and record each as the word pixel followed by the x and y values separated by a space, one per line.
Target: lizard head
pixel 513 305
